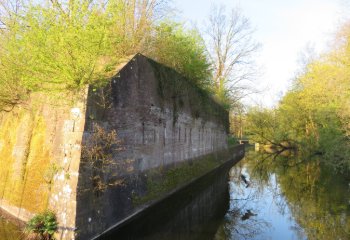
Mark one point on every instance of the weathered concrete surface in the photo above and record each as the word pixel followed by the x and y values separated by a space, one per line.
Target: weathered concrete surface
pixel 49 158
pixel 162 121
pixel 39 159
pixel 191 212
pixel 160 117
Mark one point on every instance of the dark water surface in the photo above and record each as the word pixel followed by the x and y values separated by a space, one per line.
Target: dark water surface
pixel 270 196
pixel 8 230
pixel 285 197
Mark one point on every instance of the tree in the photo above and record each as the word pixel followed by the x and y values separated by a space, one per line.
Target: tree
pixel 237 121
pixel 64 45
pixel 314 113
pixel 60 46
pixel 183 50
pixel 231 47
pixel 262 126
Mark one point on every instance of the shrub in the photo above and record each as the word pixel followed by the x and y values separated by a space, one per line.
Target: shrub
pixel 43 225
pixel 232 140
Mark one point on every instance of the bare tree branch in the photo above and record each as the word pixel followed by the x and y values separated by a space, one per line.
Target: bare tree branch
pixel 231 47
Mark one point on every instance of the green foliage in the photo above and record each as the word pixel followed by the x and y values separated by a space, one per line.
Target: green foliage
pixel 263 126
pixel 315 113
pixel 232 140
pixel 61 47
pixel 183 50
pixel 43 224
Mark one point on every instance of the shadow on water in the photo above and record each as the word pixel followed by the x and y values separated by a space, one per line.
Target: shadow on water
pixel 193 212
pixel 281 196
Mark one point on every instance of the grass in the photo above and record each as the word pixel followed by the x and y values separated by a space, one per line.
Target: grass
pixel 161 181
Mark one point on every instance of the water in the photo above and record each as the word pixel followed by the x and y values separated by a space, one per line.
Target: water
pixel 8 230
pixel 271 197
pixel 285 197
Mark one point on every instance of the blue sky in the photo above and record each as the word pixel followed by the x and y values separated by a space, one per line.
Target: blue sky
pixel 284 29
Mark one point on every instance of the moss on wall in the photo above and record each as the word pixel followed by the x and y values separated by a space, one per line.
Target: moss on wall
pixel 35 187
pixel 25 159
pixel 176 89
pixel 161 181
pixel 8 138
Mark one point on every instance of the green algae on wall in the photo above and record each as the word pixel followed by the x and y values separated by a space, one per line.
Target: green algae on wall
pixel 7 143
pixel 25 159
pixel 40 143
pixel 161 181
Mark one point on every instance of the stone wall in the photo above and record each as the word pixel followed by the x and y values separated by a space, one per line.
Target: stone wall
pixel 194 211
pixel 163 122
pixel 100 158
pixel 160 116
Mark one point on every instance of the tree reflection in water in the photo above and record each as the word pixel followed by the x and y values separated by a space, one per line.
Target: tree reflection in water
pixel 286 195
pixel 242 220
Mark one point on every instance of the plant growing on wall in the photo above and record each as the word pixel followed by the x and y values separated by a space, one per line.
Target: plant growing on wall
pixel 72 43
pixel 98 155
pixel 43 225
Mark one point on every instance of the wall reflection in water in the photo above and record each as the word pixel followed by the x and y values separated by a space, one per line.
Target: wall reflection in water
pixel 193 212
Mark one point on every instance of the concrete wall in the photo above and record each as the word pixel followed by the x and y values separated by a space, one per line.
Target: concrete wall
pixel 162 121
pixel 192 212
pixel 40 145
pixel 51 153
pixel 160 117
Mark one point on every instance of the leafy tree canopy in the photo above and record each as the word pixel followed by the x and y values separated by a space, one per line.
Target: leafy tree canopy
pixel 315 111
pixel 57 46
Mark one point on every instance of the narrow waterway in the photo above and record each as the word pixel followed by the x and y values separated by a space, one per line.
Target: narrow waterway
pixel 271 196
pixel 281 196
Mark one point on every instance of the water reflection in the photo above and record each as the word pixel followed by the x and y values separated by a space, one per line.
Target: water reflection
pixel 285 196
pixel 272 196
pixel 8 230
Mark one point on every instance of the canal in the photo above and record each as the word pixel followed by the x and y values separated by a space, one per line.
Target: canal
pixel 270 196
pixel 285 196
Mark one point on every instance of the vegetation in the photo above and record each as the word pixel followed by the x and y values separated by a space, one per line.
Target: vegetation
pixel 59 46
pixel 317 198
pixel 231 47
pixel 232 140
pixel 314 114
pixel 183 50
pixel 161 181
pixel 44 225
pixel 98 156
pixel 64 45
